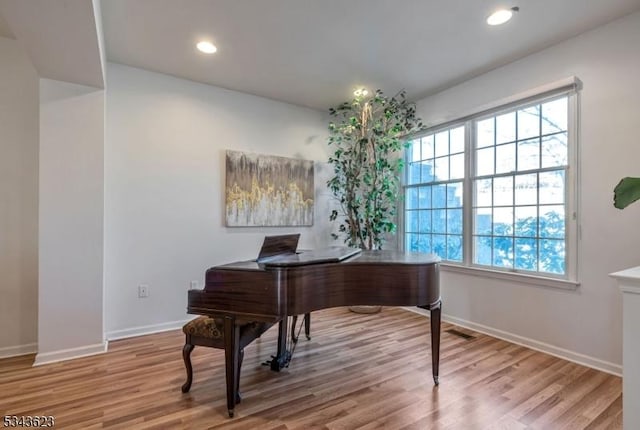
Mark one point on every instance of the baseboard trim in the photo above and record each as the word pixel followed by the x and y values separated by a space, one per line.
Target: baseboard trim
pixel 17 350
pixel 575 357
pixel 69 354
pixel 146 329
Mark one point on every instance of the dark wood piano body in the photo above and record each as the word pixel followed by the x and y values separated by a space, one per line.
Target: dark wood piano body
pixel 301 283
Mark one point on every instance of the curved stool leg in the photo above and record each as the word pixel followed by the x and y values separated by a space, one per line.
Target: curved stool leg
pixel 186 356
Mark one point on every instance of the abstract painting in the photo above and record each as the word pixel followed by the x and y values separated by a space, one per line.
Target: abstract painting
pixel 264 190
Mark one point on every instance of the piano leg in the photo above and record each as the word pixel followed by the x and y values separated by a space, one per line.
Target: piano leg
pixel 294 321
pixel 436 310
pixel 232 361
pixel 307 325
pixel 238 397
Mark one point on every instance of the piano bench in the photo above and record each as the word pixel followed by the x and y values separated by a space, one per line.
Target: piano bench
pixel 208 331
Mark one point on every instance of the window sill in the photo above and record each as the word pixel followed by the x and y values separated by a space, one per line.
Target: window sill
pixel 521 278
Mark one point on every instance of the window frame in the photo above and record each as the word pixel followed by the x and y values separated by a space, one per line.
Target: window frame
pixel 569 280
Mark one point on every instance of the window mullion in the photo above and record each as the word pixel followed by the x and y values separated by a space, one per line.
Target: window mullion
pixel 467 193
pixel 572 191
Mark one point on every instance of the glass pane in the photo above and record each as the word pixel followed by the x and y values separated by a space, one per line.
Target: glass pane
pixel 425 243
pixel 439 245
pixel 411 222
pixel 554 116
pixel 424 197
pixel 485 133
pixel 425 222
pixel 526 255
pixel 503 191
pixel 484 192
pixel 412 198
pixel 454 195
pixel 439 196
pixel 482 222
pixel 457 166
pixel 526 189
pixel 526 221
pixel 454 248
pixel 414 173
pixel 439 221
pixel 415 150
pixel 506 128
pixel 529 154
pixel 529 122
pixel 552 187
pixel 454 221
pixel 442 143
pixel 506 158
pixel 552 222
pixel 427 171
pixel 411 242
pixel 503 251
pixel 427 147
pixel 442 168
pixel 484 162
pixel 502 221
pixel 554 150
pixel 552 254
pixel 456 141
pixel 482 250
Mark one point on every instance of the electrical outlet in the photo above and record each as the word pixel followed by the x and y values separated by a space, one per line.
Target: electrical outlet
pixel 193 285
pixel 143 291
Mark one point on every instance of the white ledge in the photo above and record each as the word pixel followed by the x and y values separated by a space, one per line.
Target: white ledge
pixel 628 280
pixel 521 278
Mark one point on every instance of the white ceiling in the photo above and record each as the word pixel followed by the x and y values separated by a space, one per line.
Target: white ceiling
pixel 314 52
pixel 307 52
pixel 60 37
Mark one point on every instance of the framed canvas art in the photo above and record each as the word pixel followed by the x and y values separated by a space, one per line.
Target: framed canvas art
pixel 265 190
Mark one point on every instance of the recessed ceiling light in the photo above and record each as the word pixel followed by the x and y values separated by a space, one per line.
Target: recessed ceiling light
pixel 501 16
pixel 360 92
pixel 206 47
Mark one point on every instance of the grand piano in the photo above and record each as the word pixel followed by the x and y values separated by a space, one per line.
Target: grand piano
pixel 293 284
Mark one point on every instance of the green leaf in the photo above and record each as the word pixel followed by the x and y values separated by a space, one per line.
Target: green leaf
pixel 626 192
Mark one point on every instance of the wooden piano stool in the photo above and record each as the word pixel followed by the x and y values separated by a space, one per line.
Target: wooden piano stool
pixel 210 331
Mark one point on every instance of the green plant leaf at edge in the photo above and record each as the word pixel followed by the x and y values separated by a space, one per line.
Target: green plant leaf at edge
pixel 626 192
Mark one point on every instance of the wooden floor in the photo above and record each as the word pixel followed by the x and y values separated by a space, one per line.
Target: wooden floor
pixel 357 372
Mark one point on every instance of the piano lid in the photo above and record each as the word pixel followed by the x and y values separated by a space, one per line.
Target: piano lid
pixel 316 256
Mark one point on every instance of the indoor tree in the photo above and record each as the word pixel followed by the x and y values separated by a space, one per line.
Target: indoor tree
pixel 367 136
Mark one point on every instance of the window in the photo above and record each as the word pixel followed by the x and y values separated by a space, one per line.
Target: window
pixel 494 190
pixel 433 216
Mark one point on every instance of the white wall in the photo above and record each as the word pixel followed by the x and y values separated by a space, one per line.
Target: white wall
pixel 70 319
pixel 18 201
pixel 586 321
pixel 164 214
